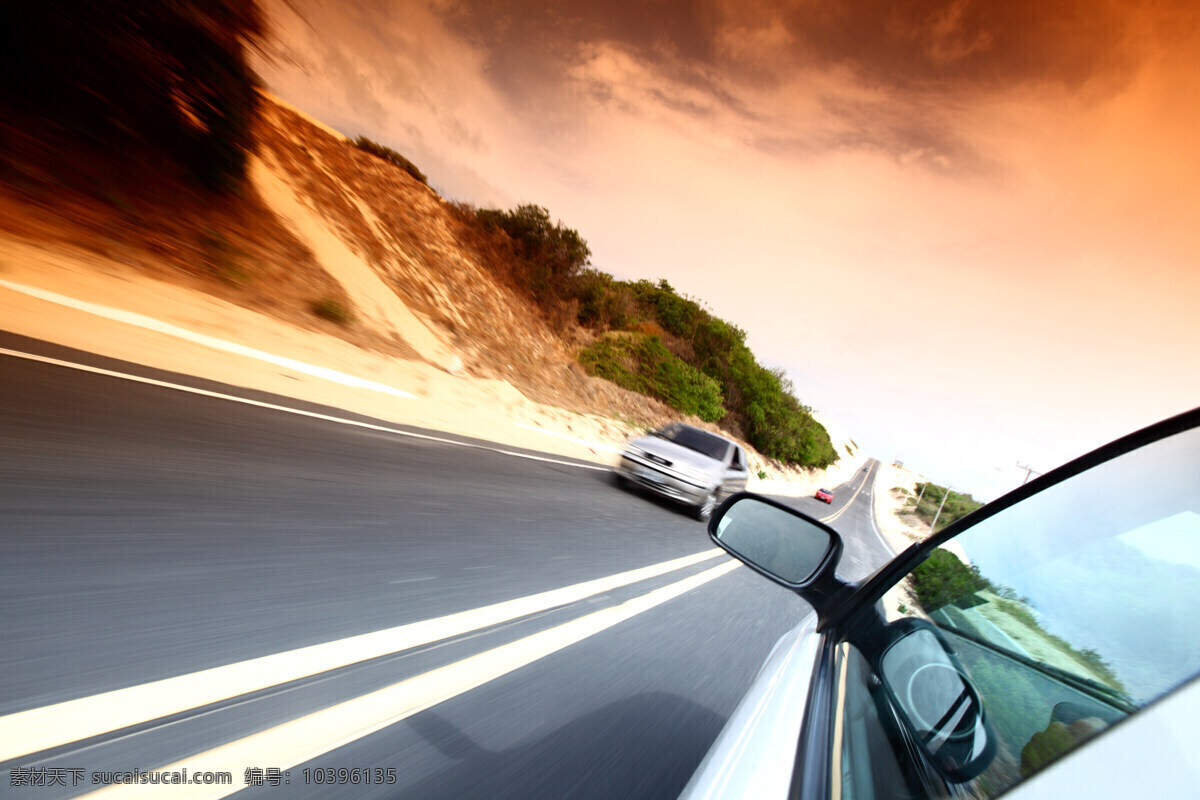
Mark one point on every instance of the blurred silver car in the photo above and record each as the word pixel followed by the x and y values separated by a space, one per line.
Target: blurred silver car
pixel 686 464
pixel 1046 645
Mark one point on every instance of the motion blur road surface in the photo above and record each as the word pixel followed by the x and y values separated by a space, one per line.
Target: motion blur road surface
pixel 148 533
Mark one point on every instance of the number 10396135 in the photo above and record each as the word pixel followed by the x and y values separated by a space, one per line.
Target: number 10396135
pixel 344 775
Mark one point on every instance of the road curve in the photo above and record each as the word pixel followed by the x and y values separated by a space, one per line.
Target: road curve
pixel 151 535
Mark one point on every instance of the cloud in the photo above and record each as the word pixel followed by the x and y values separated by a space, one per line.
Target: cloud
pixel 956 45
pixel 886 75
pixel 804 76
pixel 975 218
pixel 395 72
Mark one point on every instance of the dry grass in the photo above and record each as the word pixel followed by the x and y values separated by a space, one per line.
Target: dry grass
pixel 54 191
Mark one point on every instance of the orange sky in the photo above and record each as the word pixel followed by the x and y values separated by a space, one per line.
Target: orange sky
pixel 969 231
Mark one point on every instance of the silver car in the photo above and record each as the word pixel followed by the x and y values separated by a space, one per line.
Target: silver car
pixel 686 464
pixel 1046 645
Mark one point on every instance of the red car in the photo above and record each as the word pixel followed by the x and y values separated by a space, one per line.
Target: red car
pixel 826 495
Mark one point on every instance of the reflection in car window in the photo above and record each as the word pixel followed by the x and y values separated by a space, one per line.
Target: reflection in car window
pixel 1068 611
pixel 862 754
pixel 695 439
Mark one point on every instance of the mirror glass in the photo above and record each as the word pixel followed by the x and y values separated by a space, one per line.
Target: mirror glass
pixel 939 704
pixel 788 547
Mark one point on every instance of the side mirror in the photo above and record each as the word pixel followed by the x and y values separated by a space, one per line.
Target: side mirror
pixel 935 701
pixel 779 542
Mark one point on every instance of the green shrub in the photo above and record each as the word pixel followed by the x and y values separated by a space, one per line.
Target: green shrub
pixel 643 364
pixel 332 310
pixel 956 506
pixel 762 475
pixel 391 156
pixel 549 257
pixel 943 578
pixel 676 314
pixel 548 261
pixel 604 303
pixel 760 402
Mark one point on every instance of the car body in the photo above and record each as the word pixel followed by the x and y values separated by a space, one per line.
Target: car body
pixel 824 495
pixel 686 464
pixel 1044 646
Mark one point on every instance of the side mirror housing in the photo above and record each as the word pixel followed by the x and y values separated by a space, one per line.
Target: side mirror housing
pixel 937 704
pixel 778 542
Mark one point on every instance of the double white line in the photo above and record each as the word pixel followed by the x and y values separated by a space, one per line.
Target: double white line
pixel 307 737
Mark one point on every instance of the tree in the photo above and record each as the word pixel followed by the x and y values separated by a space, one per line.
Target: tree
pixel 551 254
pixel 943 578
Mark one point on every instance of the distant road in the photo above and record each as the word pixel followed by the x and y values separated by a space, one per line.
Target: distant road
pixel 148 534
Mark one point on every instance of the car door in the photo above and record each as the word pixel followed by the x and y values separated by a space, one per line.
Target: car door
pixel 736 472
pixel 1034 638
pixel 1062 612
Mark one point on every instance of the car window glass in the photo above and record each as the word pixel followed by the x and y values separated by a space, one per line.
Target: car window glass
pixel 865 759
pixel 695 439
pixel 1068 611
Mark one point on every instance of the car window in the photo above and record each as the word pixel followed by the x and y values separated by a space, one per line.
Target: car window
pixel 695 439
pixel 1066 613
pixel 863 757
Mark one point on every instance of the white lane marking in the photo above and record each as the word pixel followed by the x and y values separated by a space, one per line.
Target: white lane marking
pixel 159 727
pixel 346 379
pixel 842 510
pixel 415 580
pixel 289 410
pixel 307 737
pixel 149 323
pixel 874 526
pixel 51 726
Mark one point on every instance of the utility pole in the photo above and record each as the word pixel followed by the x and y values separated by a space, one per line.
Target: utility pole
pixel 1028 471
pixel 933 527
pixel 924 486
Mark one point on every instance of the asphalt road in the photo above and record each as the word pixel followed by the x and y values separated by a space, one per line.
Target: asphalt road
pixel 147 533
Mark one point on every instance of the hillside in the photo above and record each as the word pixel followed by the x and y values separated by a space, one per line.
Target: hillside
pixel 321 224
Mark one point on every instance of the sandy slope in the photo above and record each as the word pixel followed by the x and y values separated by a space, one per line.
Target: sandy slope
pixel 374 300
pixel 478 407
pixel 483 408
pixel 892 486
pixel 429 321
